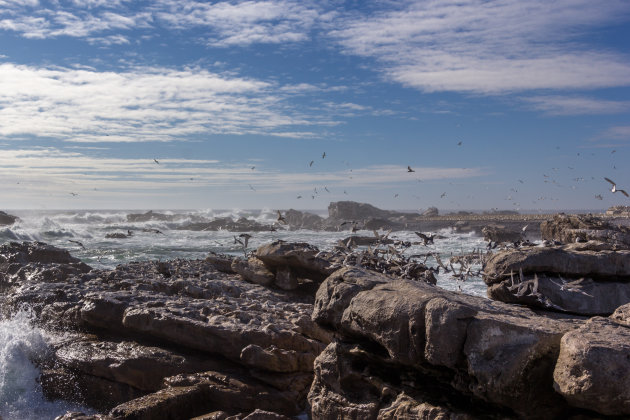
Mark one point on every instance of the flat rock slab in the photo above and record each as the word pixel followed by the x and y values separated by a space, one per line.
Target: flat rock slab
pixel 569 261
pixel 593 369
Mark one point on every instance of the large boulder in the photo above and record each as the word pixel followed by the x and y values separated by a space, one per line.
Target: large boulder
pixel 351 210
pixel 7 219
pixel 481 351
pixel 301 258
pixel 593 369
pixel 499 233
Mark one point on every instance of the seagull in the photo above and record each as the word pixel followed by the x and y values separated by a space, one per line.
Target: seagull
pixel 443 195
pixel 252 168
pixel 459 144
pixel 281 218
pixel 409 169
pixel 326 189
pixel 299 196
pixel 323 155
pixel 246 237
pixel 73 194
pixel 251 188
pixel 77 242
pixel 427 239
pixel 311 164
pixel 614 187
pixel 156 161
pixel 599 197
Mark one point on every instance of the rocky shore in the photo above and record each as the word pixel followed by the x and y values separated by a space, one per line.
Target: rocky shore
pixel 350 333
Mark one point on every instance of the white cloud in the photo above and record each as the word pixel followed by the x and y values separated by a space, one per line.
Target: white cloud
pixel 242 22
pixel 577 105
pixel 146 104
pixel 489 47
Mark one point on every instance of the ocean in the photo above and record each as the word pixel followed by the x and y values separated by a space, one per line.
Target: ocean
pixel 22 343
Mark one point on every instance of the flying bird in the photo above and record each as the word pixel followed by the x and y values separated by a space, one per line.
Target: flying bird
pixel 156 161
pixel 443 195
pixel 409 169
pixel 459 143
pixel 246 237
pixel 323 155
pixel 599 197
pixel 77 242
pixel 251 188
pixel 614 187
pixel 427 239
pixel 73 194
pixel 281 218
pixel 311 164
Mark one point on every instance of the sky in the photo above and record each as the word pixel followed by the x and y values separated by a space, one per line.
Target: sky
pixel 183 104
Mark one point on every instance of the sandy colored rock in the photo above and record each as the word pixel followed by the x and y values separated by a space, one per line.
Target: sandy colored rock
pixel 593 368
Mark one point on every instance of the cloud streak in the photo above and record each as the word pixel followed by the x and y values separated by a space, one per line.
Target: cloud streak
pixel 143 104
pixel 489 47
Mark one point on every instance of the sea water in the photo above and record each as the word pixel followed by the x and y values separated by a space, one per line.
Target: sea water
pixel 22 344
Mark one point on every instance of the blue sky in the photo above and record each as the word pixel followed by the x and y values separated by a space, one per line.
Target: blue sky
pixel 505 104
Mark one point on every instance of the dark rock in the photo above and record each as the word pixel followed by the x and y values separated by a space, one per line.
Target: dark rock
pixel 303 220
pixel 222 263
pixel 116 235
pixel 351 210
pixel 7 219
pixel 149 216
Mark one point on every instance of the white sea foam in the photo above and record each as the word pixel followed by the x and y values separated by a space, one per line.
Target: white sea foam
pixel 21 397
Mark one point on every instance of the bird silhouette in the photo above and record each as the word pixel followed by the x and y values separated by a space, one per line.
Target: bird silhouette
pixel 614 187
pixel 409 169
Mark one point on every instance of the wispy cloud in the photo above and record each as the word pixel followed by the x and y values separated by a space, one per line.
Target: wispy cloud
pixel 615 133
pixel 143 104
pixel 576 105
pixel 489 47
pixel 242 22
pixel 53 170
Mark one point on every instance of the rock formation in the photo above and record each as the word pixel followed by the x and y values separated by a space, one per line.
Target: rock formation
pixel 581 278
pixel 7 219
pixel 292 330
pixel 582 228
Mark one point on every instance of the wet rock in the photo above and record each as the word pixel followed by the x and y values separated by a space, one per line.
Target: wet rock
pixel 593 369
pixel 351 210
pixel 583 228
pixel 242 224
pixel 150 216
pixel 618 211
pixel 7 219
pixel 117 235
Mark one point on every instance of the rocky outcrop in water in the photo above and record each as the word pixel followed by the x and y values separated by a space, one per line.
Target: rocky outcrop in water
pixel 186 338
pixel 7 219
pixel 581 278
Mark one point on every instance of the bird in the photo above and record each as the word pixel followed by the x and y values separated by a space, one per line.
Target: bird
pixel 323 155
pixel 156 161
pixel 73 194
pixel 246 237
pixel 281 218
pixel 252 168
pixel 251 188
pixel 77 242
pixel 326 189
pixel 614 187
pixel 599 197
pixel 427 239
pixel 299 196
pixel 443 195
pixel 459 143
pixel 409 169
pixel 311 164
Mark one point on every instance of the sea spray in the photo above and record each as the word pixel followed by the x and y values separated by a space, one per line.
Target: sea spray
pixel 22 345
